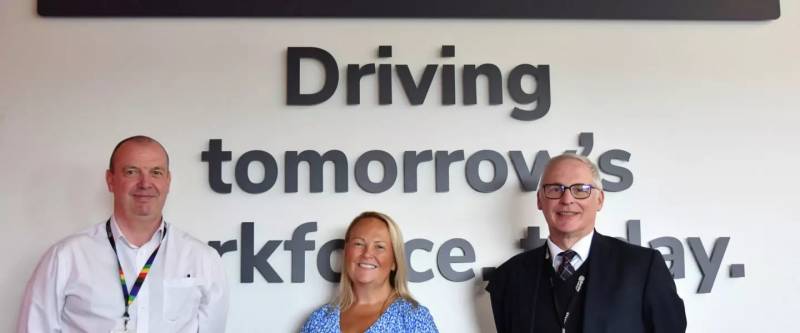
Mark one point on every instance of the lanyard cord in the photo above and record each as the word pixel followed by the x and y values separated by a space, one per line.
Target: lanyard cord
pixel 129 297
pixel 572 301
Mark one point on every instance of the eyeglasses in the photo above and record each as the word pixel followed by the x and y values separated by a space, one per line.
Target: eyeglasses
pixel 578 191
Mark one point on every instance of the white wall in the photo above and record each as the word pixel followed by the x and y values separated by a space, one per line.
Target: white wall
pixel 708 111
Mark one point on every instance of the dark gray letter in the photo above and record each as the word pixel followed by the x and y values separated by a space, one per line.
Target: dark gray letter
pixel 541 95
pixel 362 171
pixel 297 246
pixel 315 163
pixel 443 161
pixel 411 246
pixel 293 94
pixel 260 260
pixel 445 260
pixel 324 260
pixel 243 176
pixel 469 82
pixel 215 156
pixel 354 74
pixel 473 171
pixel 411 160
pixel 529 178
pixel 416 92
pixel 675 255
pixel 625 175
pixel 708 266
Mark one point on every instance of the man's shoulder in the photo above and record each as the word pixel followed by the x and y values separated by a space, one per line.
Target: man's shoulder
pixel 525 260
pixel 175 232
pixel 86 236
pixel 76 245
pixel 186 241
pixel 624 249
pixel 521 267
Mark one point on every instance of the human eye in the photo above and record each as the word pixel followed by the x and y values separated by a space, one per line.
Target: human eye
pixel 583 188
pixel 581 191
pixel 157 172
pixel 130 171
pixel 554 188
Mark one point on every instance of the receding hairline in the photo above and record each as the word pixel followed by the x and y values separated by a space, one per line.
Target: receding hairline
pixel 139 139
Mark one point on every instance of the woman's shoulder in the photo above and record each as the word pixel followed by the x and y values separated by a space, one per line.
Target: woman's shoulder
pixel 414 315
pixel 403 305
pixel 323 319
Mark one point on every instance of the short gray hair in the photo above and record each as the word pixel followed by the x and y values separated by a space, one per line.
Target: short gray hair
pixel 596 181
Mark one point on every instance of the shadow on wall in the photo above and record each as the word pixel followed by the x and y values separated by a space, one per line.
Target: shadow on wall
pixel 482 307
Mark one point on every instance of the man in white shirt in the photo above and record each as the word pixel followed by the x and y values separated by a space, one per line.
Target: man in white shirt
pixel 134 272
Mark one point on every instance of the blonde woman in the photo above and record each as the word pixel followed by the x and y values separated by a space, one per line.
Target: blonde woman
pixel 373 293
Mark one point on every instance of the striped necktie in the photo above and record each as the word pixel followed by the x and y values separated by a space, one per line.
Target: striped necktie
pixel 565 269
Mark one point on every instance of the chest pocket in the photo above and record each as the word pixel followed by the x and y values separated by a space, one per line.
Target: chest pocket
pixel 181 299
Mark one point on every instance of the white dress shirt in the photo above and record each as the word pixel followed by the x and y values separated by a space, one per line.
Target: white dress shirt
pixel 582 248
pixel 76 288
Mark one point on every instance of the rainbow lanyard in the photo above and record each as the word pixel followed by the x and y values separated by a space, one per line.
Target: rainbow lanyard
pixel 129 297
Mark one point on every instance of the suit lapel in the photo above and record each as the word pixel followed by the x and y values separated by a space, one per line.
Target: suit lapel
pixel 598 292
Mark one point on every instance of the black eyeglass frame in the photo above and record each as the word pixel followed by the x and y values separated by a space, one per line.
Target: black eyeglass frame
pixel 573 189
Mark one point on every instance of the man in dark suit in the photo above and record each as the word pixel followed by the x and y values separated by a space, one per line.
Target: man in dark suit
pixel 582 281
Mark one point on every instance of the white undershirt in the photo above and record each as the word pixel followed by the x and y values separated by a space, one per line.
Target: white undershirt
pixel 581 247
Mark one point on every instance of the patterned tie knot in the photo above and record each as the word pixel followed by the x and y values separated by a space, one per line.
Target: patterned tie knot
pixel 567 255
pixel 565 269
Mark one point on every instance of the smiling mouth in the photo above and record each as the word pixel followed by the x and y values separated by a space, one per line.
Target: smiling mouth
pixel 143 199
pixel 567 213
pixel 367 266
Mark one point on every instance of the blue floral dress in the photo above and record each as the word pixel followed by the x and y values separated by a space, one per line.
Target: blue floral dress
pixel 400 317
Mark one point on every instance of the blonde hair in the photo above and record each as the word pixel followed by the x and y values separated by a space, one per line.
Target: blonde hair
pixel 397 278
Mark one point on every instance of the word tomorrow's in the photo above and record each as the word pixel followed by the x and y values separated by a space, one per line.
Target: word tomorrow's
pixel 439 161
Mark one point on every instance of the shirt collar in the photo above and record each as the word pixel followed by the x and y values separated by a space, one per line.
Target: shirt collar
pixel 582 247
pixel 115 230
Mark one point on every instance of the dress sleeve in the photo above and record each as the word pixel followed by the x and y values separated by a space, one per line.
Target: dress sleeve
pixel 422 321
pixel 321 320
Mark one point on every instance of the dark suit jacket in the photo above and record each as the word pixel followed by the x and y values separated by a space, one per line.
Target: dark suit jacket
pixel 629 290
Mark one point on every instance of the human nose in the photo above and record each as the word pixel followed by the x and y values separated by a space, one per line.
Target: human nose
pixel 566 197
pixel 144 181
pixel 369 251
